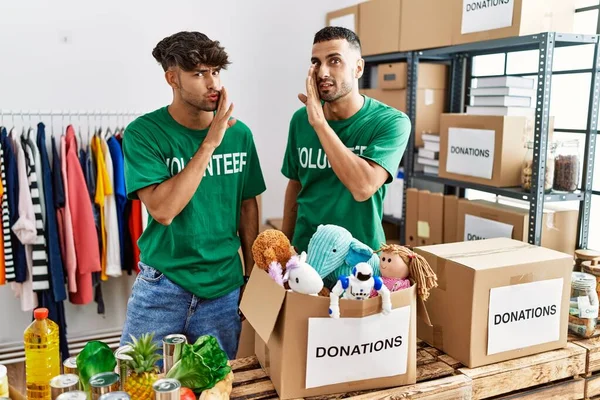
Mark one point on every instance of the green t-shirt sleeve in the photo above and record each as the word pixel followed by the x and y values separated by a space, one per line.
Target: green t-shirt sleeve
pixel 144 163
pixel 290 159
pixel 389 143
pixel 254 182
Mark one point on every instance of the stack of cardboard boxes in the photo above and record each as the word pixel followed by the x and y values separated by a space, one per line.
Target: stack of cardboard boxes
pixel 387 26
pixel 435 219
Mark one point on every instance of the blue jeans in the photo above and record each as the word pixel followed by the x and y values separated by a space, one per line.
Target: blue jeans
pixel 158 305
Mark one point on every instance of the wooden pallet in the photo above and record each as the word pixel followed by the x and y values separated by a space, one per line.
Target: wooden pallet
pixel 592 365
pixel 436 379
pixel 557 369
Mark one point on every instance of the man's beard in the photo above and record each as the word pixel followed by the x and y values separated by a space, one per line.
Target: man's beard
pixel 332 96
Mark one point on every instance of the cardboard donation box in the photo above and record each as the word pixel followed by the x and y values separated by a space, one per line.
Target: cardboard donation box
pixel 431 93
pixel 477 20
pixel 417 20
pixel 487 150
pixel 346 17
pixel 307 353
pixel 496 300
pixel 480 219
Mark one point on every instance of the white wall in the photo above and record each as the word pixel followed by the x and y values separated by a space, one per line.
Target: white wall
pixel 106 64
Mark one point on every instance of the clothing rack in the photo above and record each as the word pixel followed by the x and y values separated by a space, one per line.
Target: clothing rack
pixel 90 116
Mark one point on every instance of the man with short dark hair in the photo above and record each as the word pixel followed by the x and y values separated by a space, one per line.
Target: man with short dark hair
pixel 197 171
pixel 342 147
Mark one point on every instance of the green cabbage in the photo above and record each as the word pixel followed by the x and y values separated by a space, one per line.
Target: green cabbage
pixel 95 358
pixel 202 364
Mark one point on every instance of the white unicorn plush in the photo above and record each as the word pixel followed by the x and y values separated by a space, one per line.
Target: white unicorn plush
pixel 301 277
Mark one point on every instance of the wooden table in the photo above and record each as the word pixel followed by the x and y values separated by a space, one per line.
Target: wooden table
pixel 552 375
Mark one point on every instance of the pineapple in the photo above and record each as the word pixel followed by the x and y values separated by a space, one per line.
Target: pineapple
pixel 142 369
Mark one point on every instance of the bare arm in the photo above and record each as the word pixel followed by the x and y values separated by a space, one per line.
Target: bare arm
pixel 361 177
pixel 290 208
pixel 248 231
pixel 166 200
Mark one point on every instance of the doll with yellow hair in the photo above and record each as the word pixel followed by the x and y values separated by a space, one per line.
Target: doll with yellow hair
pixel 399 264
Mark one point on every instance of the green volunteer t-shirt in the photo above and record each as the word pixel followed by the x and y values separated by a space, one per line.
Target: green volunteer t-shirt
pixel 377 132
pixel 199 249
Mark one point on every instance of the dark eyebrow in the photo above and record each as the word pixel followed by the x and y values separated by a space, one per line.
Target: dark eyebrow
pixel 314 59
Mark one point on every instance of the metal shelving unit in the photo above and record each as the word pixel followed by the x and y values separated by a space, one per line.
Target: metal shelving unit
pixel 460 58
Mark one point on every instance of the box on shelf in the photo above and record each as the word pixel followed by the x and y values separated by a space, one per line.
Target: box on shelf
pixel 388 26
pixel 430 224
pixel 380 26
pixel 431 94
pixel 307 353
pixel 346 17
pixel 481 219
pixel 450 219
pixel 394 76
pixel 416 22
pixel 496 300
pixel 479 20
pixel 487 150
pixel 412 216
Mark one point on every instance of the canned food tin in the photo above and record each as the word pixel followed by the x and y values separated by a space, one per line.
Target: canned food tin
pixel 70 366
pixel 115 396
pixel 172 347
pixel 167 389
pixel 122 369
pixel 103 383
pixel 75 395
pixel 63 383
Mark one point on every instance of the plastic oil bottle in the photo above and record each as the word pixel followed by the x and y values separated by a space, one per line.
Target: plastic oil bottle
pixel 42 357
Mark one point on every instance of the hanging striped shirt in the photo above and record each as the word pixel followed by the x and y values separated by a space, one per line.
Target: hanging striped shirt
pixel 41 279
pixel 8 252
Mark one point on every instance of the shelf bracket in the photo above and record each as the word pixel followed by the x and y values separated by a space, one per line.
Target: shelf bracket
pixel 540 137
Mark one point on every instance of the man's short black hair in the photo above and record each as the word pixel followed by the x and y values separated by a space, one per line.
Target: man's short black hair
pixel 335 33
pixel 187 50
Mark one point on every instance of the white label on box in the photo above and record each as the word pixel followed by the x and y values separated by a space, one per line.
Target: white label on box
pixel 428 97
pixel 477 228
pixel 524 315
pixel 483 15
pixel 345 21
pixel 352 349
pixel 471 152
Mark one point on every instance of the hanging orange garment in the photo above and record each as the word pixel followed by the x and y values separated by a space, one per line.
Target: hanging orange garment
pixel 103 189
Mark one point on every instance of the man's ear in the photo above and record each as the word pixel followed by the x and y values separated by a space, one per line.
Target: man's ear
pixel 172 78
pixel 360 68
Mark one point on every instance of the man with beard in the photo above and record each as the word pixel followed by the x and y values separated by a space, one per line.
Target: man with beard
pixel 343 147
pixel 197 171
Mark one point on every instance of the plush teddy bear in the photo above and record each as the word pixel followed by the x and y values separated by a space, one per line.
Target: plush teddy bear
pixel 271 248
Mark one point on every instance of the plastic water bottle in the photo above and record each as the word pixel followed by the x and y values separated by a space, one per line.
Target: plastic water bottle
pixel 42 357
pixel 3 381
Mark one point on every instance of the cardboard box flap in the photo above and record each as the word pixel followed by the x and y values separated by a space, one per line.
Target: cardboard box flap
pixel 494 253
pixel 261 302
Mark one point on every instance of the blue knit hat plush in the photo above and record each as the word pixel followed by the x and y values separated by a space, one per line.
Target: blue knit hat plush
pixel 328 248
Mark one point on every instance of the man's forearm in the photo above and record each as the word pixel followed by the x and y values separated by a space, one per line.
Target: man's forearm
pixel 248 231
pixel 354 172
pixel 166 200
pixel 290 208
